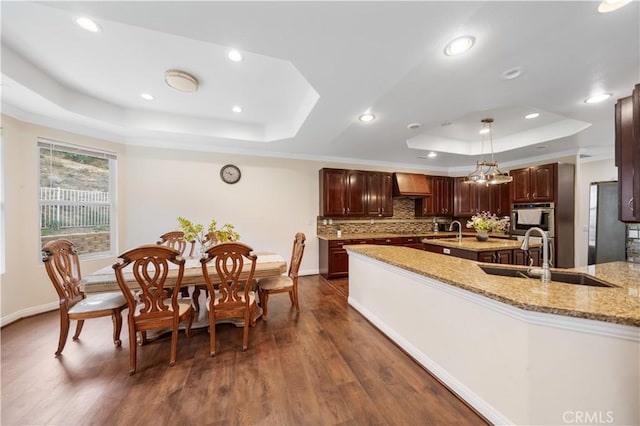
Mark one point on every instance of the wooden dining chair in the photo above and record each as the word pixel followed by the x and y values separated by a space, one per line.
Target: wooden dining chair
pixel 176 240
pixel 284 283
pixel 61 261
pixel 154 305
pixel 233 297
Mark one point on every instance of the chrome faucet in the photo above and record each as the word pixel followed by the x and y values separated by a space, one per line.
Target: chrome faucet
pixel 545 273
pixel 459 236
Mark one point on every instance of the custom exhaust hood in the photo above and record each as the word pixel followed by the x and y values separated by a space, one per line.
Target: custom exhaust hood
pixel 411 185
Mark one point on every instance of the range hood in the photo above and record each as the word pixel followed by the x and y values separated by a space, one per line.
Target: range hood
pixel 411 185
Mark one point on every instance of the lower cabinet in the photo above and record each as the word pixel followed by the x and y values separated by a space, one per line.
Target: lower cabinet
pixel 507 257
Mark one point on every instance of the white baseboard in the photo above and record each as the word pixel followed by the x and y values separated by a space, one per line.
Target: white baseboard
pixel 27 312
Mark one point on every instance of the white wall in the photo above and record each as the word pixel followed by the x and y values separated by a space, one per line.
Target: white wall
pixel 588 171
pixel 274 199
pixel 26 289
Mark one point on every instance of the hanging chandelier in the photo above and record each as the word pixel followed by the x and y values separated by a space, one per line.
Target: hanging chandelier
pixel 487 172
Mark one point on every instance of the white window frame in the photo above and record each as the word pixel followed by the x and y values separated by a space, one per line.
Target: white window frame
pixel 113 195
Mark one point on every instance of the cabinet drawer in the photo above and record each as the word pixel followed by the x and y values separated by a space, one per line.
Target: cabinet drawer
pixel 388 241
pixel 339 243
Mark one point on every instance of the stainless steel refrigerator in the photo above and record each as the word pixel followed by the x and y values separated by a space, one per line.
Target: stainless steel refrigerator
pixel 607 235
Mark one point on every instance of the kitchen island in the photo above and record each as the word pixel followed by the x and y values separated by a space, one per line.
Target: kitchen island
pixel 518 351
pixel 494 250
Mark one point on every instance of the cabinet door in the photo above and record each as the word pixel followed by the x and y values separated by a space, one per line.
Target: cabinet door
pixel 356 195
pixel 332 192
pixel 338 263
pixel 373 193
pixel 464 197
pixel 386 194
pixel 501 199
pixel 424 207
pixel 542 181
pixel 520 257
pixel 520 185
pixel 442 196
pixel 483 201
pixel 624 160
pixel 487 256
pixel 504 256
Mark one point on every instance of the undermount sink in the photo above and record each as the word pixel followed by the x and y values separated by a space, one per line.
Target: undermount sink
pixel 562 277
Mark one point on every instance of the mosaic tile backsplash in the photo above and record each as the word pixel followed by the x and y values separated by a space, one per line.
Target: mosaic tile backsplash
pixel 633 242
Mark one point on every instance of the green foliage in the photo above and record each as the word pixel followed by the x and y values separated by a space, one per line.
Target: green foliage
pixel 196 231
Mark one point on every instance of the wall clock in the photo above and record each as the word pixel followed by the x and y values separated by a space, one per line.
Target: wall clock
pixel 230 173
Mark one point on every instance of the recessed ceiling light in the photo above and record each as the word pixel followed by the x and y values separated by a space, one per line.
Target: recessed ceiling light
pixel 147 96
pixel 367 117
pixel 432 155
pixel 597 98
pixel 237 108
pixel 484 131
pixel 532 115
pixel 610 5
pixel 414 126
pixel 235 55
pixel 181 80
pixel 459 45
pixel 511 73
pixel 88 24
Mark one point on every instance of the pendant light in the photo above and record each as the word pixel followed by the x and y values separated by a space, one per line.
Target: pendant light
pixel 487 172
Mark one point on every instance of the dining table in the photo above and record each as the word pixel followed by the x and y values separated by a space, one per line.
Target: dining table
pixel 268 264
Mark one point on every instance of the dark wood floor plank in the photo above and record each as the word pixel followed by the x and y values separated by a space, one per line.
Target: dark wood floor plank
pixel 324 365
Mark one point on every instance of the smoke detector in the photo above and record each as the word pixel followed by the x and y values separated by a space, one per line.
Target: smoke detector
pixel 181 80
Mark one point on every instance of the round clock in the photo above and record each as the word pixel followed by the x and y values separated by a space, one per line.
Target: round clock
pixel 230 173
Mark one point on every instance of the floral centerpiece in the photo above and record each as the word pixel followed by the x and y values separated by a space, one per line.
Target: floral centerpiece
pixel 486 222
pixel 210 235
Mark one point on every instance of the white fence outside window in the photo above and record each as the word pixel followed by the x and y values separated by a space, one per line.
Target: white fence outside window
pixel 71 208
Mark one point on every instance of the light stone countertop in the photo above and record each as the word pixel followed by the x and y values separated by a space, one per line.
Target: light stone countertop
pixel 472 244
pixel 619 305
pixel 428 234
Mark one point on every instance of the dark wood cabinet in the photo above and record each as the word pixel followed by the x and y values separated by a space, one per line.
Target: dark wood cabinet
pixel 355 193
pixel 443 192
pixel 379 194
pixel 627 156
pixel 334 260
pixel 534 184
pixel 474 198
pixel 520 257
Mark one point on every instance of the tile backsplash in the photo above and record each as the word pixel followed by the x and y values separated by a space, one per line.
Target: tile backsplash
pixel 402 221
pixel 633 242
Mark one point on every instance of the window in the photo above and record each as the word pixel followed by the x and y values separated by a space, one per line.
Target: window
pixel 2 172
pixel 77 193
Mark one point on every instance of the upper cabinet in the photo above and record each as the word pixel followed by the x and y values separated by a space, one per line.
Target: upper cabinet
pixel 379 194
pixel 474 198
pixel 440 203
pixel 534 184
pixel 355 193
pixel 627 118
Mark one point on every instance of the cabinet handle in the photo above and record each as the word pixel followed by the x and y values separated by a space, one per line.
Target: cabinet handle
pixel 344 210
pixel 534 195
pixel 347 209
pixel 527 195
pixel 629 203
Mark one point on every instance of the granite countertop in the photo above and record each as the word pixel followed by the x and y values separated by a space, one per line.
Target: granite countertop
pixel 428 234
pixel 471 244
pixel 619 305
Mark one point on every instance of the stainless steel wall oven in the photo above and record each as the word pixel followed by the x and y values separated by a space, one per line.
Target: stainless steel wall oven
pixel 525 216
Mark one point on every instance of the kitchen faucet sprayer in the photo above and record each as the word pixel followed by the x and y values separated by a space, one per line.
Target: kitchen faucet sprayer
pixel 545 273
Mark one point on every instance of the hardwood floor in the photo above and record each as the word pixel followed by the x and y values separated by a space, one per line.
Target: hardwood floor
pixel 324 366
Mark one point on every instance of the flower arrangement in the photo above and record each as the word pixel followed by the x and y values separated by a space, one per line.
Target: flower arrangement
pixel 196 231
pixel 486 221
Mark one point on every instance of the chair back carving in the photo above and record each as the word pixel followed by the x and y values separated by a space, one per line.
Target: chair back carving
pixel 296 254
pixel 61 261
pixel 229 260
pixel 150 266
pixel 176 240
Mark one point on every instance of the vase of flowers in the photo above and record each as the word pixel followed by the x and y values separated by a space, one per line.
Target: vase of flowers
pixel 486 222
pixel 209 236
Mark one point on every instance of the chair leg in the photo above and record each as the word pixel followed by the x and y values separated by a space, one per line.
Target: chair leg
pixel 188 330
pixel 264 299
pixel 295 298
pixel 116 316
pixel 212 333
pixel 196 298
pixel 64 331
pixel 79 324
pixel 174 343
pixel 133 346
pixel 245 331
